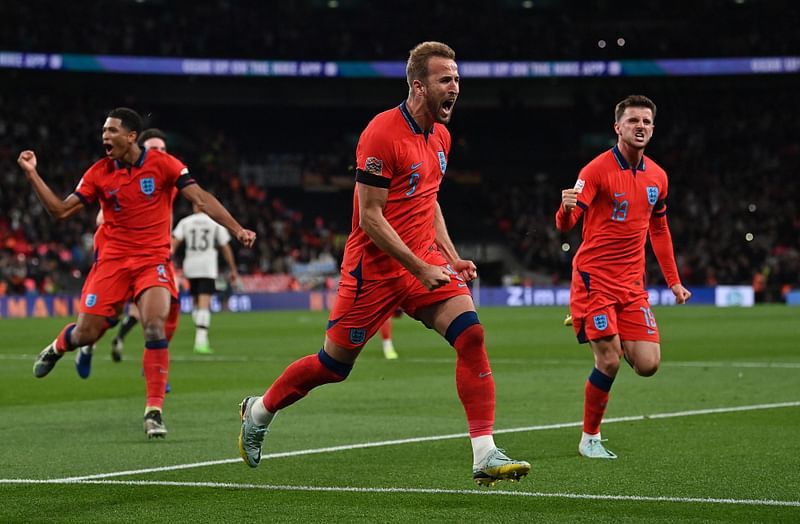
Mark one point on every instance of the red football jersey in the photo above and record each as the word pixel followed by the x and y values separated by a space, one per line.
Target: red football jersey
pixel 136 202
pixel 617 203
pixel 395 153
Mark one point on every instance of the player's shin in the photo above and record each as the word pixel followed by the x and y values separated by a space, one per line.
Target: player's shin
pixel 302 376
pixel 474 381
pixel 596 393
pixel 63 342
pixel 202 321
pixel 155 363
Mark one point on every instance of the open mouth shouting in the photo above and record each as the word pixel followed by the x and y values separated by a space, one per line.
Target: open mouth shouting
pixel 446 109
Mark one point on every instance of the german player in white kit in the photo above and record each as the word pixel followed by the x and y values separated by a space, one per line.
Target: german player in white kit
pixel 204 239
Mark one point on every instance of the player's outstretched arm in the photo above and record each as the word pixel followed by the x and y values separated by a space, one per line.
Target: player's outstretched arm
pixel 208 204
pixel 465 268
pixel 371 201
pixel 56 208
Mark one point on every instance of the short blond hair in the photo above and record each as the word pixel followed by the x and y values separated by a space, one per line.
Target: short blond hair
pixel 417 65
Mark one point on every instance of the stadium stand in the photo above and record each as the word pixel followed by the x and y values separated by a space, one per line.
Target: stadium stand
pixel 279 151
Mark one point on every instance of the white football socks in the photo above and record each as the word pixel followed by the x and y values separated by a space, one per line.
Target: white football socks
pixel 481 446
pixel 202 320
pixel 259 413
pixel 586 436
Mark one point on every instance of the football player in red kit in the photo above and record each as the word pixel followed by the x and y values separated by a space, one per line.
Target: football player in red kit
pixel 621 195
pixel 399 254
pixel 134 188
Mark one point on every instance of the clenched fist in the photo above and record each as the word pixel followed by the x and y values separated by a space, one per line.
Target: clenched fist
pixel 27 161
pixel 569 199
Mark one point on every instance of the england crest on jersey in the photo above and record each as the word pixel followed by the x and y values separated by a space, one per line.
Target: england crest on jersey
pixel 652 195
pixel 91 300
pixel 147 185
pixel 442 162
pixel 358 336
pixel 600 322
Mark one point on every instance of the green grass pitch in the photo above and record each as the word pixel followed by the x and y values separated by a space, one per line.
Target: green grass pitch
pixel 712 437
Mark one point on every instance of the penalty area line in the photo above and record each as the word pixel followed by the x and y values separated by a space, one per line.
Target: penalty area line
pixel 422 491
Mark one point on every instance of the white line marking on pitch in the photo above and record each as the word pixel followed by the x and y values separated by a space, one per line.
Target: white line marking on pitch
pixel 425 491
pixel 347 447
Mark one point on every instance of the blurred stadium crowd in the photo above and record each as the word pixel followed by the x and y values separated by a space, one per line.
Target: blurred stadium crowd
pixel 364 30
pixel 730 147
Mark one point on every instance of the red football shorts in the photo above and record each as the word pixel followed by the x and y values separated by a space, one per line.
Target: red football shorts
pixel 362 306
pixel 606 309
pixel 111 283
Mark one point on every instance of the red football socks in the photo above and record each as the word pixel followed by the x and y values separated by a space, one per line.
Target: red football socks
pixel 156 371
pixel 62 343
pixel 594 407
pixel 474 380
pixel 297 380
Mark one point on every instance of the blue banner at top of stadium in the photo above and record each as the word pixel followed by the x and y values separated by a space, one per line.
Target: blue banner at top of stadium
pixel 343 69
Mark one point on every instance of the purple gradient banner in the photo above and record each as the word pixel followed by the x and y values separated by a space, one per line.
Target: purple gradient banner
pixel 343 69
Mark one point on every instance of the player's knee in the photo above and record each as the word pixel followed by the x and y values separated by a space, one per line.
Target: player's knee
pixel 465 329
pixel 647 369
pixel 153 329
pixel 609 366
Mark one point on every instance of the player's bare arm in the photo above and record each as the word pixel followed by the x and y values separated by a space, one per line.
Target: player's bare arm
pixel 371 201
pixel 465 268
pixel 208 204
pixel 56 208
